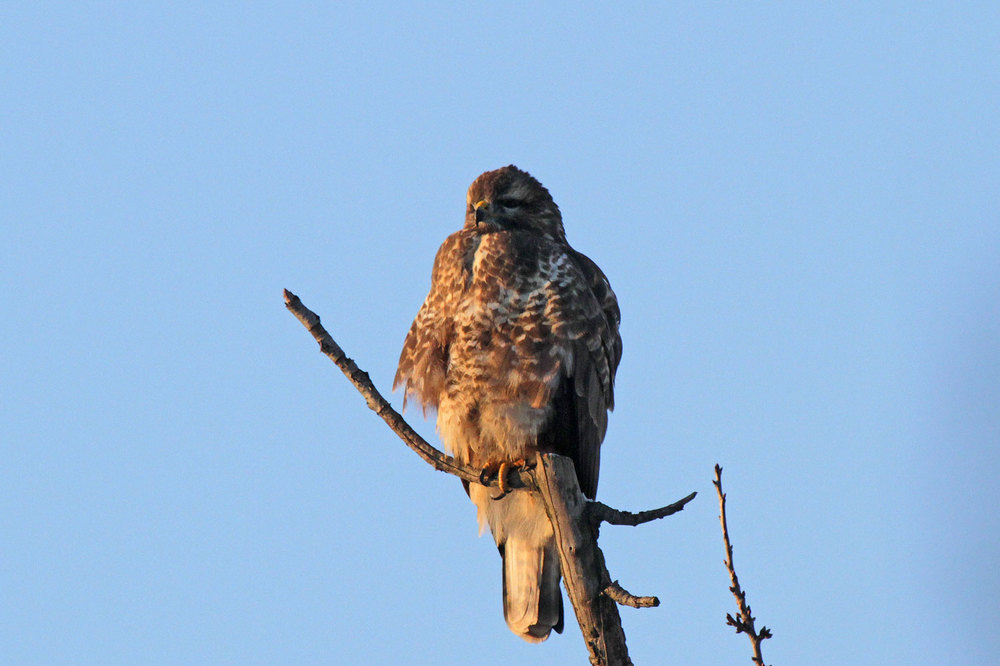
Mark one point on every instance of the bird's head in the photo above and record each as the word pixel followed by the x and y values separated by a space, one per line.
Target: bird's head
pixel 509 199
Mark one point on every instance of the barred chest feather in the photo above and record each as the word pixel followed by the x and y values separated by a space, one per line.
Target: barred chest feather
pixel 505 359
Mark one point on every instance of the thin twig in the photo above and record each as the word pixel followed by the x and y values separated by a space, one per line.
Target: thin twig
pixel 744 622
pixel 625 598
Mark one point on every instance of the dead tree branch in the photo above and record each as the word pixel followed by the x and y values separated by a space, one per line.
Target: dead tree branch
pixel 575 519
pixel 584 572
pixel 600 512
pixel 744 621
pixel 625 598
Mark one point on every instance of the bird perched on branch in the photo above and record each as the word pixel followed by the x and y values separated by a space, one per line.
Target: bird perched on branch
pixel 516 347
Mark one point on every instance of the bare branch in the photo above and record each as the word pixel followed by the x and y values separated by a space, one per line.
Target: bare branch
pixel 600 512
pixel 744 622
pixel 623 597
pixel 381 406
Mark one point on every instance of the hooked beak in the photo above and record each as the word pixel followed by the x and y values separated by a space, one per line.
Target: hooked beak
pixel 482 209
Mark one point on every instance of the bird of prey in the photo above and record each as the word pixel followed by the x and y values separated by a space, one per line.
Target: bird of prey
pixel 516 347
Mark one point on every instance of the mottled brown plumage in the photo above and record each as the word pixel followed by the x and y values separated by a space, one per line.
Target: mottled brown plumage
pixel 516 347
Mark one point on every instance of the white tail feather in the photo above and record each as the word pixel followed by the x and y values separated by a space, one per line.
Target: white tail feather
pixel 532 601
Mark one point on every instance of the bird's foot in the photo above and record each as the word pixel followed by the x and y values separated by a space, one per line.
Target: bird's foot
pixel 501 470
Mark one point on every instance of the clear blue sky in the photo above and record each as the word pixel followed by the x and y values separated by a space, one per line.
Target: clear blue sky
pixel 798 206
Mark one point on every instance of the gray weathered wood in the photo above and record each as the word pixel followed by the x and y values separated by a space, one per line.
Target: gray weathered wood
pixel 585 574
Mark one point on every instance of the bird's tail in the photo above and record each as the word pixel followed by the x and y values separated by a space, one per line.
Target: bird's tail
pixel 532 601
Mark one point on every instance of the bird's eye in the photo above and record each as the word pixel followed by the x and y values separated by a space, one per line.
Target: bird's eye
pixel 509 203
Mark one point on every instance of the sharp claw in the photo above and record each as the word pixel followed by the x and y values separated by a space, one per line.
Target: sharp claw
pixel 489 469
pixel 503 482
pixel 502 478
pixel 500 470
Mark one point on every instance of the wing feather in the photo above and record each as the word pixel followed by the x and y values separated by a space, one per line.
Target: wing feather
pixel 423 362
pixel 585 393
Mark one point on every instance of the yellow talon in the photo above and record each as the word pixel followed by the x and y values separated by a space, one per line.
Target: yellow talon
pixel 502 470
pixel 505 468
pixel 502 478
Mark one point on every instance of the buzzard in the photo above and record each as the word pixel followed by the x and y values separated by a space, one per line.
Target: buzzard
pixel 516 347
